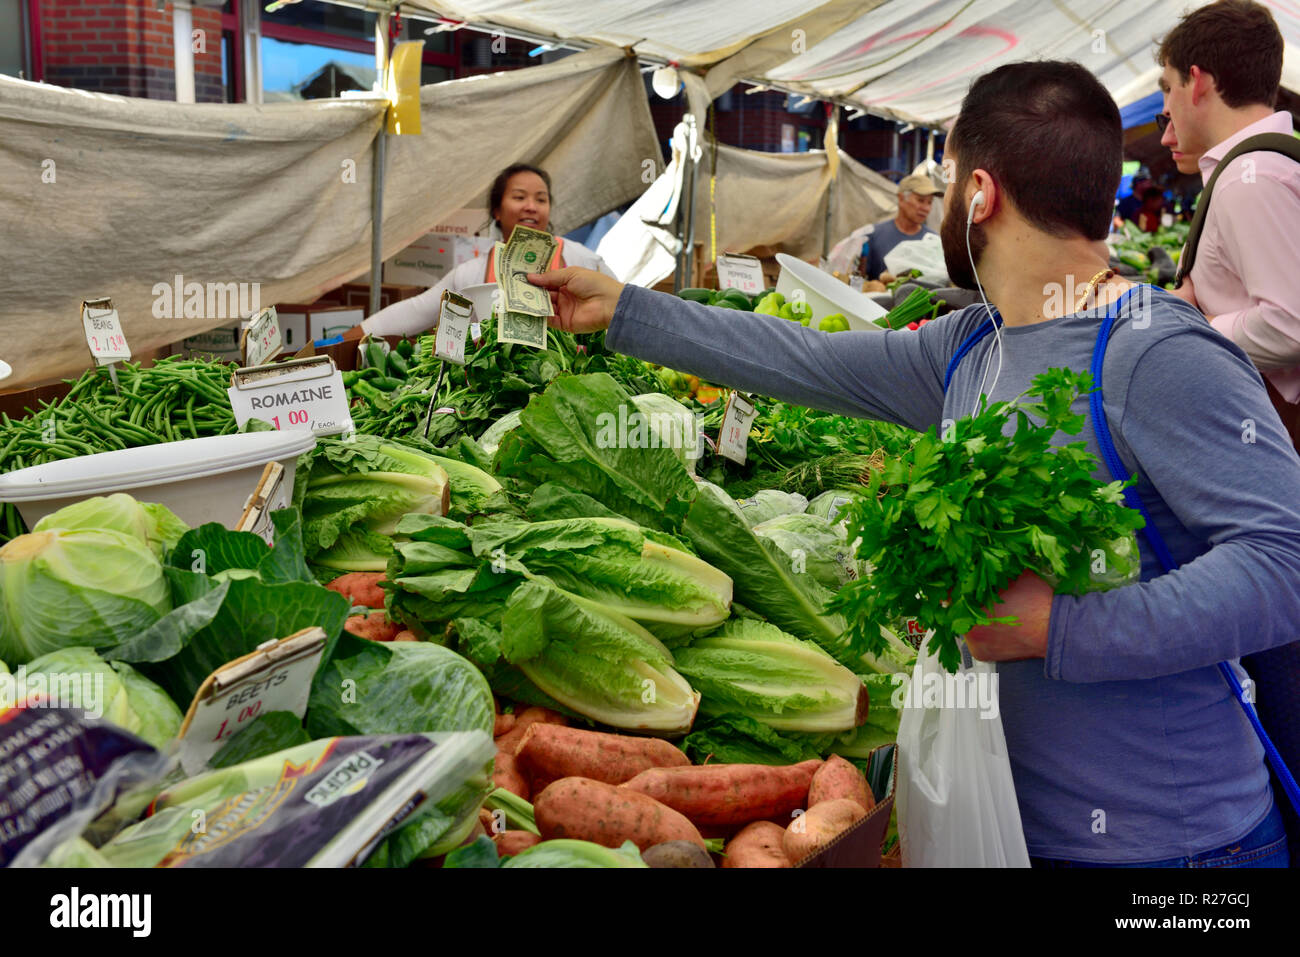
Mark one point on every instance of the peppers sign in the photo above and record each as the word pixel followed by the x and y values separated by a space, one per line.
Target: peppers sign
pixel 740 272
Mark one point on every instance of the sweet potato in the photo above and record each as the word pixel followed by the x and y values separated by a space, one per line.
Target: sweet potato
pixel 361 587
pixel 374 626
pixel 506 775
pixel 818 826
pixel 604 814
pixel 405 636
pixel 757 845
pixel 510 843
pixel 550 752
pixel 504 724
pixel 677 854
pixel 526 718
pixel 717 795
pixel 838 778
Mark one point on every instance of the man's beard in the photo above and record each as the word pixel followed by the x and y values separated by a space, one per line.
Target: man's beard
pixel 952 233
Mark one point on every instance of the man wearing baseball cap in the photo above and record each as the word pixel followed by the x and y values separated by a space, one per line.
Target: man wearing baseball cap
pixel 867 247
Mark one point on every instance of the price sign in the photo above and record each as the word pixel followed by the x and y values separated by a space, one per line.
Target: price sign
pixel 740 272
pixel 275 677
pixel 262 341
pixel 736 421
pixel 453 324
pixel 104 333
pixel 305 394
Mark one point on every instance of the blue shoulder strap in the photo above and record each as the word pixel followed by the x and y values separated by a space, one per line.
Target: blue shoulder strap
pixel 1162 553
pixel 967 344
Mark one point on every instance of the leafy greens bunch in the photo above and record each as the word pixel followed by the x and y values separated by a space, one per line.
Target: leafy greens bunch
pixel 961 516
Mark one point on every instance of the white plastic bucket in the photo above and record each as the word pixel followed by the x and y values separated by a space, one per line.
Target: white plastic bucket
pixel 201 480
pixel 826 294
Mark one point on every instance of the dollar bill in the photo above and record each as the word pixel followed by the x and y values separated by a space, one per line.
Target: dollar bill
pixel 529 250
pixel 522 328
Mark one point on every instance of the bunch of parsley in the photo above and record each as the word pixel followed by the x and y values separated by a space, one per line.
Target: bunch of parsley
pixel 956 518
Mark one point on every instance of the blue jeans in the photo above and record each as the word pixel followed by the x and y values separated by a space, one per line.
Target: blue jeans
pixel 1265 846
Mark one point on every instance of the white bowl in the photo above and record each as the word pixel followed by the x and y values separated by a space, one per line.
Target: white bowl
pixel 5 370
pixel 201 480
pixel 826 294
pixel 481 295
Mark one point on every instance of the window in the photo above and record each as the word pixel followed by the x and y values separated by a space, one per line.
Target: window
pixel 13 39
pixel 312 50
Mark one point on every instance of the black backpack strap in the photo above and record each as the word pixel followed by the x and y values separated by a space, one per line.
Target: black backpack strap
pixel 1282 143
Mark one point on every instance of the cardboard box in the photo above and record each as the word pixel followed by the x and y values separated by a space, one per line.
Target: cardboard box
pixel 221 343
pixel 326 323
pixel 859 846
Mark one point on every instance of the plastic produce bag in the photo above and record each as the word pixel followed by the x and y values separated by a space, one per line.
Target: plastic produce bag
pixel 925 254
pixel 956 800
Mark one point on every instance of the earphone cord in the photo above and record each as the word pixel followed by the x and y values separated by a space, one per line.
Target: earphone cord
pixel 997 331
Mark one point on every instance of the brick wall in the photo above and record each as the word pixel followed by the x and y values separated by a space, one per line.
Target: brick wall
pixel 125 47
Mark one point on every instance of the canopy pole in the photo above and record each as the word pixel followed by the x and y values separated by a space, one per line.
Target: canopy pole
pixel 833 127
pixel 377 177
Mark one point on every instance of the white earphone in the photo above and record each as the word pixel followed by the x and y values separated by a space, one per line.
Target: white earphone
pixel 978 200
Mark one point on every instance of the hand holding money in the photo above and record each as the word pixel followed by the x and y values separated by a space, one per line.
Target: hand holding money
pixel 584 298
pixel 524 308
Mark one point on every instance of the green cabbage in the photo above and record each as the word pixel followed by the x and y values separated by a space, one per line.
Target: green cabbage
pixel 398 687
pixel 155 525
pixel 564 852
pixel 116 690
pixel 91 587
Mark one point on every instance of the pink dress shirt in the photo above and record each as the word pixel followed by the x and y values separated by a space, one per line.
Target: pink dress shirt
pixel 1247 271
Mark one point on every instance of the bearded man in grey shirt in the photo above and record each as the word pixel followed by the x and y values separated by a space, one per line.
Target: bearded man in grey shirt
pixel 1114 709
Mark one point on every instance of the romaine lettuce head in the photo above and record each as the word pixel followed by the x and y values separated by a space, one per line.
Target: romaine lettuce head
pixel 92 587
pixel 490 440
pixel 155 525
pixel 114 691
pixel 755 669
pixel 596 661
pixel 364 486
pixel 642 574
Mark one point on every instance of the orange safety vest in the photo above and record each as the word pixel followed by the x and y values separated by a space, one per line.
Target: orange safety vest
pixel 557 261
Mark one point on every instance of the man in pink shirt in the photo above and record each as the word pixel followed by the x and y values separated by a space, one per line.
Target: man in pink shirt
pixel 1222 68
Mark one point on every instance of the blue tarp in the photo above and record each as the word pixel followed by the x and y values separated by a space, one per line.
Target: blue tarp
pixel 1143 111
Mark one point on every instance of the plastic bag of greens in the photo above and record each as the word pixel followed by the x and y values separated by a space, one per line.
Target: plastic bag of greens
pixel 814 545
pixel 328 803
pixel 768 503
pixel 60 770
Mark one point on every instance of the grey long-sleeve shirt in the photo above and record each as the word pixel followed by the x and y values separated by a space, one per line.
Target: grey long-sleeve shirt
pixel 1128 715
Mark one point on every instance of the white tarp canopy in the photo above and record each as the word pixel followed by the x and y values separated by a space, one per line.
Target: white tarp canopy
pixel 116 196
pixel 909 59
pixel 777 200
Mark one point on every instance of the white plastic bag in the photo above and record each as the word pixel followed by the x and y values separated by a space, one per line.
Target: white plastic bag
pixel 956 800
pixel 925 254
